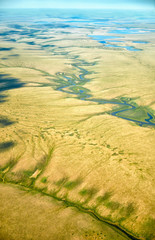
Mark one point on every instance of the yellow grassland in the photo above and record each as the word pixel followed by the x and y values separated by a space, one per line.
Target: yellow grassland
pixel 96 160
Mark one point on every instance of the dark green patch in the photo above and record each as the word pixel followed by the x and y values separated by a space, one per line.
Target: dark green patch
pixel 149 229
pixel 18 178
pixel 44 180
pixel 114 154
pixel 41 163
pixel 112 205
pixel 10 164
pixel 44 160
pixel 28 173
pixel 83 192
pixel 140 113
pixel 61 182
pixel 72 184
pixel 127 211
pixel 88 192
pixel 105 197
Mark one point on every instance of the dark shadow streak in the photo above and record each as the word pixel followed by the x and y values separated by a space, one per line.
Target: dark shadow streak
pixel 7 83
pixel 4 146
pixel 6 49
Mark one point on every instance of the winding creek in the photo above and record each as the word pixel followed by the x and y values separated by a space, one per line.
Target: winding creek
pixel 72 84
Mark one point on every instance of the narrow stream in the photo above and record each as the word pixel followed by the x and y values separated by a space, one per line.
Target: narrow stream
pixel 72 84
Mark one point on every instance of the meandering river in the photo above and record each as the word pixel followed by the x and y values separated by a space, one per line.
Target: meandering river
pixel 72 84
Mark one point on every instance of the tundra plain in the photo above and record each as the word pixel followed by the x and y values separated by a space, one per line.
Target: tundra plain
pixel 77 125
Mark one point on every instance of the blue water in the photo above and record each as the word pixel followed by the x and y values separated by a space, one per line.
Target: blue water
pixel 125 31
pixel 82 94
pixel 102 37
pixel 143 42
pixel 115 41
pixel 102 41
pixel 103 26
pixel 112 46
pixel 129 48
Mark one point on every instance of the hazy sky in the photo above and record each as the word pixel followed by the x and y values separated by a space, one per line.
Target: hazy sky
pixel 77 4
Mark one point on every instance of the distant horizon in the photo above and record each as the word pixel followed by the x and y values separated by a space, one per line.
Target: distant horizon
pixel 87 4
pixel 84 8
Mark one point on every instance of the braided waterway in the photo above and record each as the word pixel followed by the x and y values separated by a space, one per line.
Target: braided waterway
pixel 73 84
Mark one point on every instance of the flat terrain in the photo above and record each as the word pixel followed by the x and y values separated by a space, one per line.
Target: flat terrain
pixel 77 127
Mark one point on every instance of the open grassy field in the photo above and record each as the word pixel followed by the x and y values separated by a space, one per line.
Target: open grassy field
pixel 77 134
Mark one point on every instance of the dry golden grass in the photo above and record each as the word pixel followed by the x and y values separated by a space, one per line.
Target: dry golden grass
pixel 74 149
pixel 26 216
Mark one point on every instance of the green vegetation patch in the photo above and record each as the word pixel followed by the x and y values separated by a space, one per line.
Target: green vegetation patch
pixel 140 113
pixel 28 173
pixel 10 164
pixel 44 160
pixel 18 178
pixel 88 192
pixel 112 205
pixel 44 180
pixel 83 192
pixel 128 210
pixel 105 197
pixel 72 184
pixel 149 229
pixel 61 182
